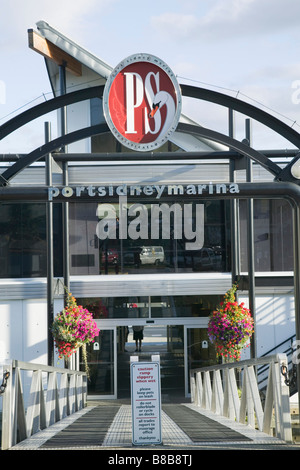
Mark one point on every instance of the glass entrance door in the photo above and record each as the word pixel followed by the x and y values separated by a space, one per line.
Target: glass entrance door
pixel 101 356
pixel 198 352
pixel 180 347
pixel 165 340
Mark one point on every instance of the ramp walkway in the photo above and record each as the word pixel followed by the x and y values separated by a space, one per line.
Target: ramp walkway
pixel 106 425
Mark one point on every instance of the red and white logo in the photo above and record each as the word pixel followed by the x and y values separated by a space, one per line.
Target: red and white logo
pixel 142 102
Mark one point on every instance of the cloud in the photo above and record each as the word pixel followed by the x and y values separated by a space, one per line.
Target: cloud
pixel 67 16
pixel 229 19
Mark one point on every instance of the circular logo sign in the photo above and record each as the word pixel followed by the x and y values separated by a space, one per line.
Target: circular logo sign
pixel 142 102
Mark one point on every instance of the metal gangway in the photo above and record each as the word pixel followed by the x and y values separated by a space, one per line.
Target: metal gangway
pixel 35 397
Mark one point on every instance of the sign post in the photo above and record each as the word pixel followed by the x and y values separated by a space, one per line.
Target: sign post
pixel 146 403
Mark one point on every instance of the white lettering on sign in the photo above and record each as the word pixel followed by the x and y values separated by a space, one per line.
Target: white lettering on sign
pixel 146 403
pixel 134 98
pixel 154 190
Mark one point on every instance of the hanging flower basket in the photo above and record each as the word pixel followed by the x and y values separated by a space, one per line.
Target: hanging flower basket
pixel 230 327
pixel 73 327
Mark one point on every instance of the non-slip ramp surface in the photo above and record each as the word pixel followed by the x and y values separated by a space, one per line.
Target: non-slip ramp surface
pixel 88 430
pixel 200 428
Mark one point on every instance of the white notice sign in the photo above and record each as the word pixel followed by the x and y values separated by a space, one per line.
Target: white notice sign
pixel 146 403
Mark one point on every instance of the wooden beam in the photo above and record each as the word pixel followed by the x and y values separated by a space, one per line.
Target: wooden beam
pixel 52 52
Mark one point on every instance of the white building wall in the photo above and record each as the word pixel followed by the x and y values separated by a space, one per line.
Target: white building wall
pixel 11 330
pixel 275 320
pixel 23 330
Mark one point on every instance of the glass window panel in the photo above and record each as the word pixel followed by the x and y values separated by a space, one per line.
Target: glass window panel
pixel 117 307
pixel 100 359
pixel 183 306
pixel 273 236
pixel 160 306
pixel 149 246
pixel 23 244
pixel 200 352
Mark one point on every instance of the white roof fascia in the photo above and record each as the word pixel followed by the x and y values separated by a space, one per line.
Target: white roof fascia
pixel 70 47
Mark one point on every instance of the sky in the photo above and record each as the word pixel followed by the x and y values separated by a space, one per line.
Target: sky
pixel 245 48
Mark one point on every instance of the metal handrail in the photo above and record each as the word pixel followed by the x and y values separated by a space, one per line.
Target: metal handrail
pixel 288 350
pixel 216 389
pixel 54 394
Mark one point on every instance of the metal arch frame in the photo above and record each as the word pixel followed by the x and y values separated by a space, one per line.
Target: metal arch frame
pixel 193 92
pixel 240 147
pixel 49 147
pixel 244 108
pixel 48 106
pixel 66 139
pixel 190 91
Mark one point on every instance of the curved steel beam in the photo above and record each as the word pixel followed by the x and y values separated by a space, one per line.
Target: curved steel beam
pixel 198 93
pixel 45 108
pixel 252 111
pixel 49 147
pixel 234 144
pixel 187 90
pixel 67 139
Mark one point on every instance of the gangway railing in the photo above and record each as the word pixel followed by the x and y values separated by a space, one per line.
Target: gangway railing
pixel 51 394
pixel 231 390
pixel 285 347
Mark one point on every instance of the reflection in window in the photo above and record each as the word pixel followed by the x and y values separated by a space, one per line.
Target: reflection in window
pixel 151 307
pixel 117 307
pixel 273 235
pixel 100 356
pixel 23 246
pixel 97 247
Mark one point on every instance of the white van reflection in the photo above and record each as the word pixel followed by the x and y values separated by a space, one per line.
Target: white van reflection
pixel 152 255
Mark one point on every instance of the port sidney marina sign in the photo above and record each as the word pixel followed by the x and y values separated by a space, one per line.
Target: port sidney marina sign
pixel 148 190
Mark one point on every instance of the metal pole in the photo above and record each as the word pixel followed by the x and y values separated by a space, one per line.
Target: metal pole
pixel 296 239
pixel 234 208
pixel 65 207
pixel 50 271
pixel 251 263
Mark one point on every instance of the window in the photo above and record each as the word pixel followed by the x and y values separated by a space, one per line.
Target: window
pixel 151 307
pixel 273 235
pixel 149 245
pixel 23 245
